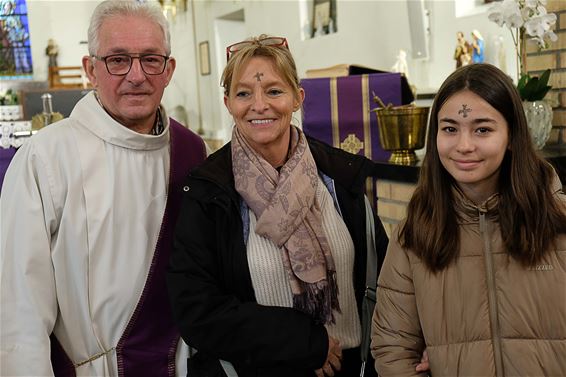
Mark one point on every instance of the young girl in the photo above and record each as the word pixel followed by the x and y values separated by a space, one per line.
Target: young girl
pixel 477 272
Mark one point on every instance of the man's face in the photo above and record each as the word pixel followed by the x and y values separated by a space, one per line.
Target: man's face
pixel 131 99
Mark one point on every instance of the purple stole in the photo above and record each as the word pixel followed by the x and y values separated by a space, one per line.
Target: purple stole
pixel 337 111
pixel 149 343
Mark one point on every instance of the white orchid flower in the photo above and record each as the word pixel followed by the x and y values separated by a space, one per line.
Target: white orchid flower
pixel 512 14
pixel 551 35
pixel 495 14
pixel 538 26
pixel 528 15
pixel 525 19
pixel 532 3
pixel 506 12
pixel 539 41
pixel 514 20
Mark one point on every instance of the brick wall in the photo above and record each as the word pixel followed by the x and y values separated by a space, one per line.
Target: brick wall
pixel 555 59
pixel 393 198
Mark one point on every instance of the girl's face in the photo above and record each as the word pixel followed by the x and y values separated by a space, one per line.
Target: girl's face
pixel 471 141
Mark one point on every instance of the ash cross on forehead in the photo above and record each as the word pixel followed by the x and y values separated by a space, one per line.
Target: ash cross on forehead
pixel 258 76
pixel 465 110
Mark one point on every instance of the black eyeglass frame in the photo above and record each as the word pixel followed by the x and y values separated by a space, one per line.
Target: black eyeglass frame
pixel 132 57
pixel 280 41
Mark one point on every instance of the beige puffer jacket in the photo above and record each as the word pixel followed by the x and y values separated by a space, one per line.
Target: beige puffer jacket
pixel 484 315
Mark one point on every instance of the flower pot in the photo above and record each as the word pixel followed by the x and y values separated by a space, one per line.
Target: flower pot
pixel 539 120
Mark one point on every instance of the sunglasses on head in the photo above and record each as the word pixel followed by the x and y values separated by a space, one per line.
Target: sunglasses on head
pixel 267 41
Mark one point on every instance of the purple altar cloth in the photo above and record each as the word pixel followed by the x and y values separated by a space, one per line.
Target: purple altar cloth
pixel 338 110
pixel 5 158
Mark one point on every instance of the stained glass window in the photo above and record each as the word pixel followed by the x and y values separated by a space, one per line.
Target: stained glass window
pixel 15 48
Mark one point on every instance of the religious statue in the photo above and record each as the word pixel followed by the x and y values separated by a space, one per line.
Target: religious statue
pixel 478 47
pixel 52 50
pixel 401 65
pixel 462 52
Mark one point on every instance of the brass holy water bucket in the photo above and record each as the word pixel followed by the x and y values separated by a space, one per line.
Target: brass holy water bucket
pixel 402 130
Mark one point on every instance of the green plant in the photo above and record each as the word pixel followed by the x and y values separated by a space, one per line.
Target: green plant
pixel 9 97
pixel 533 88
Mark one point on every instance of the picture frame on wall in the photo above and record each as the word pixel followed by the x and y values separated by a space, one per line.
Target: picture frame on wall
pixel 322 14
pixel 204 58
pixel 323 17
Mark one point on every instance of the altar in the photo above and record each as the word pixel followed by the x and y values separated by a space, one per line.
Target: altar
pixel 26 103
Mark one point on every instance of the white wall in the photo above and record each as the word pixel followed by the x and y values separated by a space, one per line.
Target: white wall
pixel 64 21
pixel 370 33
pixel 226 33
pixel 183 90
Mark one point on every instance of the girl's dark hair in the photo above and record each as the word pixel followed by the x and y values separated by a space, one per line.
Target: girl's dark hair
pixel 530 215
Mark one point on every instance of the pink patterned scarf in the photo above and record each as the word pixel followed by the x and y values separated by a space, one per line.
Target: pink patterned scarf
pixel 289 214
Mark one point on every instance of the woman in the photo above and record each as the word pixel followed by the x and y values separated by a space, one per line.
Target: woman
pixel 478 46
pixel 477 272
pixel 268 271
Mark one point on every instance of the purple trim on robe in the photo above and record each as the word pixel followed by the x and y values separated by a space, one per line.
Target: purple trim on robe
pixel 6 156
pixel 60 362
pixel 149 343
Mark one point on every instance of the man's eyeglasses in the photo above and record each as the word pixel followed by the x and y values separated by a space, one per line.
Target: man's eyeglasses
pixel 268 41
pixel 121 64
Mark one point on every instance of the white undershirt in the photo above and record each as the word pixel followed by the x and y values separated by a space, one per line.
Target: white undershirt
pixel 271 284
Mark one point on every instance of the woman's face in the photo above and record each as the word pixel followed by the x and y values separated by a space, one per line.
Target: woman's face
pixel 262 103
pixel 472 140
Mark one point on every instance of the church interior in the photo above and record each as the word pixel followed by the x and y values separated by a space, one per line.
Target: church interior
pixel 43 43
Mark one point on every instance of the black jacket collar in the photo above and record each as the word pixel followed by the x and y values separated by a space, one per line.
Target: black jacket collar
pixel 346 169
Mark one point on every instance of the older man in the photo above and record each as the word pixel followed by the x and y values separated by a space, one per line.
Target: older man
pixel 88 206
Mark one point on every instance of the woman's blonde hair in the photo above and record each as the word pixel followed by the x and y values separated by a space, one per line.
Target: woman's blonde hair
pixel 279 55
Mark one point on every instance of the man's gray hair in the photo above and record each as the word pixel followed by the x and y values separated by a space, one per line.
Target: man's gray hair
pixel 112 8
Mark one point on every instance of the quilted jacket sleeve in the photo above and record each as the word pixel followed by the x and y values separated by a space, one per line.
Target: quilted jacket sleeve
pixel 397 341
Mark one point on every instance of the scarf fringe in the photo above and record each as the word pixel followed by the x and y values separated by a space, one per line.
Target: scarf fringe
pixel 319 300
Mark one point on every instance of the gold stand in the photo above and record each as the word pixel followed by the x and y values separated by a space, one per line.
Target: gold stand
pixel 403 157
pixel 402 130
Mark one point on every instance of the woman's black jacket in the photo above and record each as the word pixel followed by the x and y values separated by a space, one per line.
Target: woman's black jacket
pixel 209 280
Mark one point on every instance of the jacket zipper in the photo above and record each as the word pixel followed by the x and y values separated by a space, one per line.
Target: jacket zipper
pixel 492 296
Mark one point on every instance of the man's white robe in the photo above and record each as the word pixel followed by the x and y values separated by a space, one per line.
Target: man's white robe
pixel 81 210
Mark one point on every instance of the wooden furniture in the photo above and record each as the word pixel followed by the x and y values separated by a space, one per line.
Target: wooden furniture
pixel 68 77
pixel 214 144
